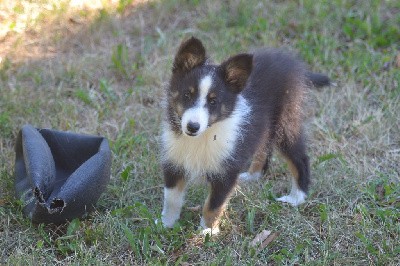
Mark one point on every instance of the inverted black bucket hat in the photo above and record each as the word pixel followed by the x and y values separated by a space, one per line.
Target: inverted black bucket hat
pixel 60 175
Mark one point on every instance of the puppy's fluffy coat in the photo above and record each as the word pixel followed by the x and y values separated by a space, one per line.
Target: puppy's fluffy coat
pixel 225 119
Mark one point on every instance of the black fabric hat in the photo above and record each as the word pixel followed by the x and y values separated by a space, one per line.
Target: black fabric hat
pixel 59 175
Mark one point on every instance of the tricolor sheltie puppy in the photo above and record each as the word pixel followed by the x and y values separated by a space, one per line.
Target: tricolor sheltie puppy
pixel 223 121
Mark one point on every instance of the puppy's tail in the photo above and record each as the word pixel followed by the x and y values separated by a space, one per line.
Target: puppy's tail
pixel 318 80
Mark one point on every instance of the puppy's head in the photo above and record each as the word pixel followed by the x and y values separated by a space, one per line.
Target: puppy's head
pixel 201 94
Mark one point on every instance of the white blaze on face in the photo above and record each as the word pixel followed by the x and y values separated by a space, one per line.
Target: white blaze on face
pixel 198 114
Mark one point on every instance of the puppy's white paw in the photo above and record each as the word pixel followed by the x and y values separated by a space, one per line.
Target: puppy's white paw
pixel 246 176
pixel 159 221
pixel 168 222
pixel 294 198
pixel 210 231
pixel 207 230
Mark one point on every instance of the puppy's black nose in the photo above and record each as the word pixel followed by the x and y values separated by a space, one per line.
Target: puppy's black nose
pixel 193 127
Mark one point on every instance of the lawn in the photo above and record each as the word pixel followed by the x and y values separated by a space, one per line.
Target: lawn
pixel 101 67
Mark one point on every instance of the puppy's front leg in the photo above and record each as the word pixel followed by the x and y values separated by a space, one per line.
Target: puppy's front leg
pixel 220 190
pixel 174 194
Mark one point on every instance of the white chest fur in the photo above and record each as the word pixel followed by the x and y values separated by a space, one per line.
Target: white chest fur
pixel 207 152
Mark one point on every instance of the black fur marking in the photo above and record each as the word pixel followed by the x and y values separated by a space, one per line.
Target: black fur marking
pixel 318 80
pixel 172 174
pixel 268 158
pixel 220 191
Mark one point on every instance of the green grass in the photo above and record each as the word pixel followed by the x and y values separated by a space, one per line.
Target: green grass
pixel 103 71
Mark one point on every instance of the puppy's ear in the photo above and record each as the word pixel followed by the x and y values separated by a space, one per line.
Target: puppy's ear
pixel 236 71
pixel 191 53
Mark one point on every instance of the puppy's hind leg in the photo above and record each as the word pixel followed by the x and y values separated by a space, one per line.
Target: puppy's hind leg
pixel 298 162
pixel 260 160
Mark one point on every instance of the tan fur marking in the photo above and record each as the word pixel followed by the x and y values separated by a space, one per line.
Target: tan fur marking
pixel 291 118
pixel 223 108
pixel 236 75
pixel 179 109
pixel 260 155
pixel 213 118
pixel 212 217
pixel 181 184
pixel 191 90
pixel 191 60
pixel 293 169
pixel 296 195
pixel 174 94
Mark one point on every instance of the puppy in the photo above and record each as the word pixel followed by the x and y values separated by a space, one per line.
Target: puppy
pixel 225 119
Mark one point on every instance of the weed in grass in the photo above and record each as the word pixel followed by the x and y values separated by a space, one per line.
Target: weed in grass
pixel 119 59
pixel 5 66
pixel 107 91
pixel 123 4
pixel 370 26
pixel 148 241
pixel 126 173
pixel 5 125
pixel 45 238
pixel 250 220
pixel 69 243
pixel 83 95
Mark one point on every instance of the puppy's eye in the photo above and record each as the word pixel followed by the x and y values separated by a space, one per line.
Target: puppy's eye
pixel 187 95
pixel 212 101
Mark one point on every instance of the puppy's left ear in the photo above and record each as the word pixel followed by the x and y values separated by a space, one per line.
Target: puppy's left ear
pixel 236 71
